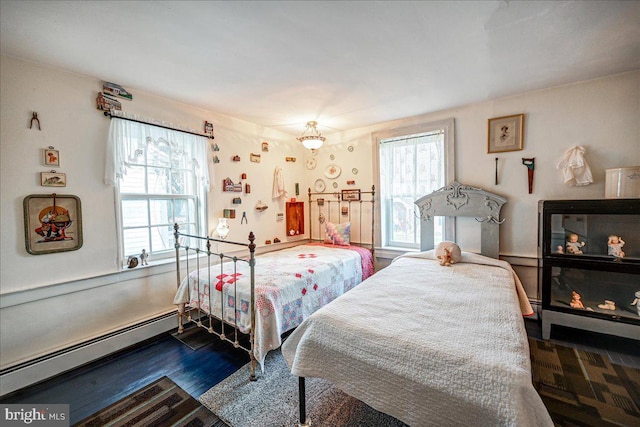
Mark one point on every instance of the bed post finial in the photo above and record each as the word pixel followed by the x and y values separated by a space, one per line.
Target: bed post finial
pixel 252 245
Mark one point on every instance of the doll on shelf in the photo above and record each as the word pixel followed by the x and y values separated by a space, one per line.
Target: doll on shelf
pixel 576 300
pixel 636 302
pixel 143 257
pixel 615 244
pixel 559 249
pixel 573 246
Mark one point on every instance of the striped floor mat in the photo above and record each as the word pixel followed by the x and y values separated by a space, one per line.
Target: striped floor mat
pixel 160 404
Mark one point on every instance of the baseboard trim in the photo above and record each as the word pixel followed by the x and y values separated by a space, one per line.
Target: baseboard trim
pixel 42 368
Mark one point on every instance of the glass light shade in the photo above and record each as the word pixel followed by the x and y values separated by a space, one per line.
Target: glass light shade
pixel 222 229
pixel 312 143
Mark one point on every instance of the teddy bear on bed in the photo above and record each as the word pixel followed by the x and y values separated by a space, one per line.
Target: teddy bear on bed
pixel 448 253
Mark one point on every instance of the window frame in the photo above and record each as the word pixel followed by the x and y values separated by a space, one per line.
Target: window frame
pixel 448 127
pixel 199 196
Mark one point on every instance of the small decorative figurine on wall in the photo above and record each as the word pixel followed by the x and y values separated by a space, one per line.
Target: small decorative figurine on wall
pixel 614 245
pixel 574 247
pixel 228 185
pixel 208 129
pixel 143 257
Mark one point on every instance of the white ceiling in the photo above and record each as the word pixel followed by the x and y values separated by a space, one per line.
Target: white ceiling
pixel 345 64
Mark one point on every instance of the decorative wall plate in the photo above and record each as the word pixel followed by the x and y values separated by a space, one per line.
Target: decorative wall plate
pixel 350 148
pixel 332 157
pixel 335 185
pixel 354 171
pixel 312 163
pixel 319 186
pixel 332 171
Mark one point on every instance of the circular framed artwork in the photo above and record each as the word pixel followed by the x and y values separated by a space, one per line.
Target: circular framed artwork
pixel 312 163
pixel 332 171
pixel 319 186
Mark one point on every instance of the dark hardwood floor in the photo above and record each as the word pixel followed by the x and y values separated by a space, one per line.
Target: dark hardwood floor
pixel 97 385
pixel 101 383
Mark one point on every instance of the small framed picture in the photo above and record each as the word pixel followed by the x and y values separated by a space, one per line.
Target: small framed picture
pixel 51 157
pixel 52 223
pixel 505 133
pixel 53 179
pixel 351 195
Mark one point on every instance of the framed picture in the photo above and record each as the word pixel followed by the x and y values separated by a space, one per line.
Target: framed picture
pixel 52 223
pixel 53 179
pixel 351 195
pixel 51 157
pixel 505 133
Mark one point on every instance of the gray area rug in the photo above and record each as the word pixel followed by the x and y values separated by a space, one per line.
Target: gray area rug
pixel 273 400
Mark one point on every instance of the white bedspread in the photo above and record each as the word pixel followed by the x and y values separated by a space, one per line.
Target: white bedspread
pixel 429 345
pixel 290 285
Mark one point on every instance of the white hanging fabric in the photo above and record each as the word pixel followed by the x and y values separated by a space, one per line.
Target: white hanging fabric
pixel 278 184
pixel 128 141
pixel 574 167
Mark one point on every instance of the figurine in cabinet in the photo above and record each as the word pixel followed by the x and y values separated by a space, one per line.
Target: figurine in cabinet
pixel 615 244
pixel 573 245
pixel 576 300
pixel 608 305
pixel 559 249
pixel 636 302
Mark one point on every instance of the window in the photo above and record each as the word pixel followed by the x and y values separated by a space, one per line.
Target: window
pixel 161 178
pixel 411 162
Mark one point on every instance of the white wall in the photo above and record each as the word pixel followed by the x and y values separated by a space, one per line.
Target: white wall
pixel 51 301
pixel 602 115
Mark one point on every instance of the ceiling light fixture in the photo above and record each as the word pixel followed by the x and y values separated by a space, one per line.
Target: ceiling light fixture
pixel 314 139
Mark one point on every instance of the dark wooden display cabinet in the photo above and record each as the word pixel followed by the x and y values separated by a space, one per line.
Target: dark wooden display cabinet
pixel 586 282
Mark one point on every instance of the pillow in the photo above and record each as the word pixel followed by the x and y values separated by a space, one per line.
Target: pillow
pixel 338 234
pixel 448 253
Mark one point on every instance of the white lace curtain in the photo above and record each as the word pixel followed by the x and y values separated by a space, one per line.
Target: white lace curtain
pixel 128 140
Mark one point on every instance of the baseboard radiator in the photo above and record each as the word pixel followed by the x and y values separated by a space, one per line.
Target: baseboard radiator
pixel 32 372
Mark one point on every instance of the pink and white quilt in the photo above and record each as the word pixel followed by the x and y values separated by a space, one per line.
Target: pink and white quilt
pixel 290 285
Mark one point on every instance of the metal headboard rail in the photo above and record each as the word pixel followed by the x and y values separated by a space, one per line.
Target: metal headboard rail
pixel 328 204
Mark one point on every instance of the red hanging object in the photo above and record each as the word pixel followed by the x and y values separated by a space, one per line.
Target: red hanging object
pixel 530 164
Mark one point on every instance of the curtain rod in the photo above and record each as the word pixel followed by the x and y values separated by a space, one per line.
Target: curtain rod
pixel 108 114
